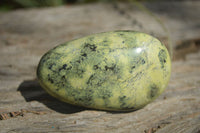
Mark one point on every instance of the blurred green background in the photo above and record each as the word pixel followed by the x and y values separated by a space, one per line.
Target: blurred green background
pixel 7 5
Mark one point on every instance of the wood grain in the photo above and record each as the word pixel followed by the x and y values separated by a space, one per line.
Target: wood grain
pixel 25 35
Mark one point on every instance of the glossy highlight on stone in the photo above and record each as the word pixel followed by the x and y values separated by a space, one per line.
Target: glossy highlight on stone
pixel 117 71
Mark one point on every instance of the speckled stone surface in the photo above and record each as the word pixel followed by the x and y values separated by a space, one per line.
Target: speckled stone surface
pixel 119 71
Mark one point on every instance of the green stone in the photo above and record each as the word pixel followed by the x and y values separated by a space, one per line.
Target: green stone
pixel 118 71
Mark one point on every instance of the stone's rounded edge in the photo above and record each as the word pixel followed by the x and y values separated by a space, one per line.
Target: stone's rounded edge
pixel 167 68
pixel 65 100
pixel 39 74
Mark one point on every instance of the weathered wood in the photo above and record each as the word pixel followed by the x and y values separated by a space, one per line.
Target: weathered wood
pixel 25 35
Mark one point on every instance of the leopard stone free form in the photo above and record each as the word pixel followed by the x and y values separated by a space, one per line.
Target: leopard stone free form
pixel 118 71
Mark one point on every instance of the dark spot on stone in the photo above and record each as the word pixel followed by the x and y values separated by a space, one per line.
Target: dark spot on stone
pixel 92 47
pixel 94 80
pixel 122 101
pixel 80 72
pixel 104 97
pixel 73 94
pixel 111 50
pixel 96 67
pixel 63 67
pixel 85 97
pixel 123 105
pixel 87 100
pixel 50 66
pixel 90 79
pixel 43 60
pixel 110 68
pixel 69 68
pixel 143 61
pixel 106 67
pixel 104 94
pixel 63 84
pixel 100 82
pixel 78 61
pixel 84 54
pixel 122 41
pixel 121 98
pixel 80 99
pixel 162 55
pixel 81 58
pixel 153 91
pixel 132 67
pixel 50 79
pixel 139 61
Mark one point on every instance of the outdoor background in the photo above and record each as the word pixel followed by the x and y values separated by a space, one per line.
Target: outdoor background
pixel 29 28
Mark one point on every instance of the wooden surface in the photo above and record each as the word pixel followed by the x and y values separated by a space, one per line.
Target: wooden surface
pixel 25 35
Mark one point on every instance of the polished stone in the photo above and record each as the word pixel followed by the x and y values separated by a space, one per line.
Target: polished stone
pixel 119 71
